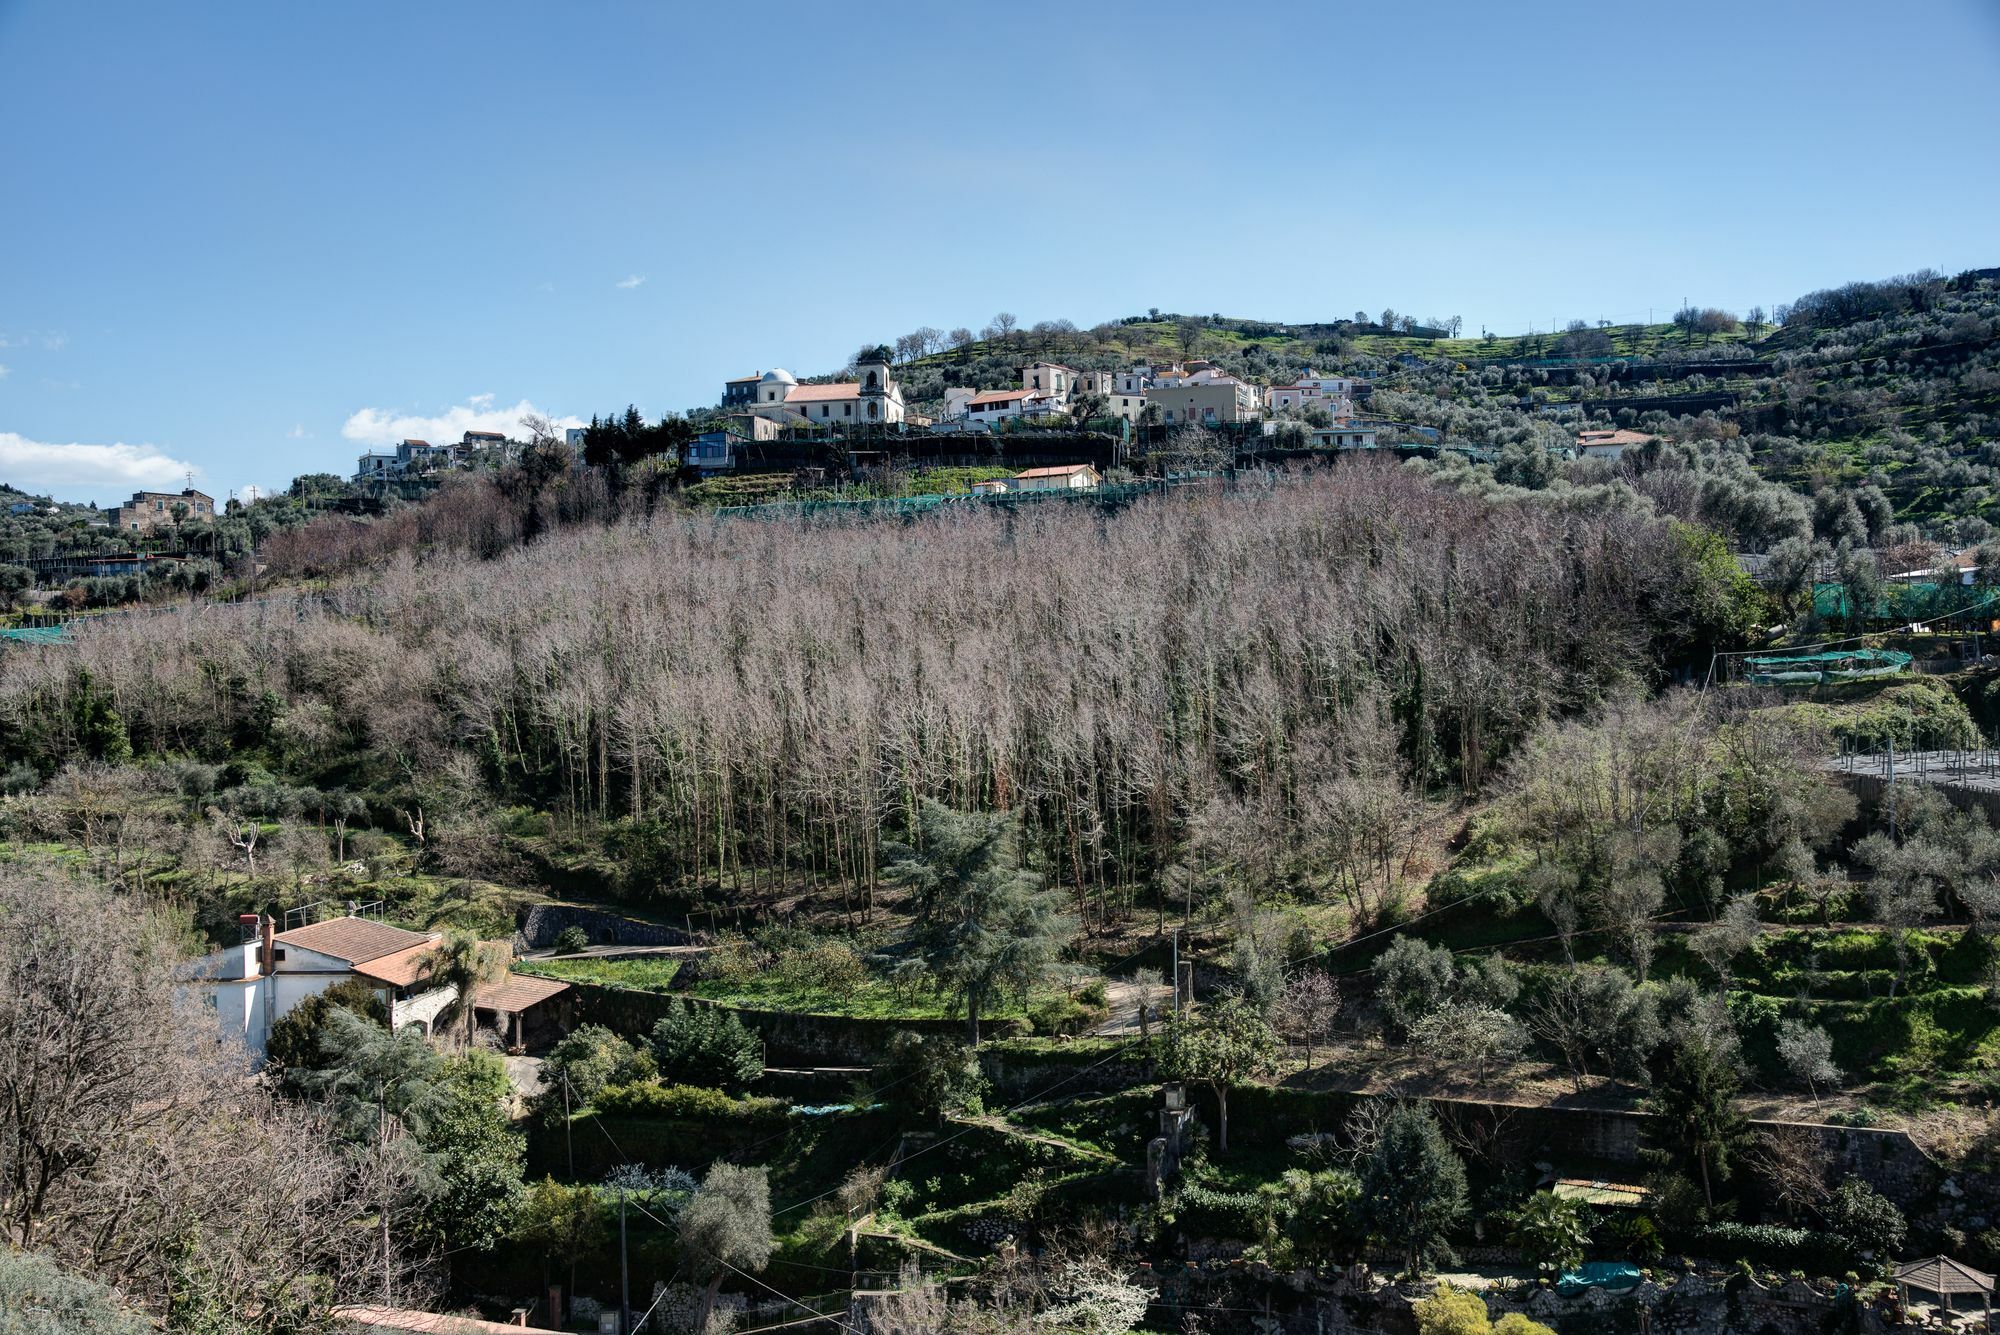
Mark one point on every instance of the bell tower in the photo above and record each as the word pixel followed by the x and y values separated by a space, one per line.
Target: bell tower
pixel 873 372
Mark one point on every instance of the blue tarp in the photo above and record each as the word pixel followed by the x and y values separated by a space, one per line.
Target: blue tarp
pixel 1598 1275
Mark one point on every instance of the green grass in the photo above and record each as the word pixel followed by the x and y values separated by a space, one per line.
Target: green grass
pixel 869 999
pixel 641 973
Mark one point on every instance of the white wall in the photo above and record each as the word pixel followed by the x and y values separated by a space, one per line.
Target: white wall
pixel 423 1008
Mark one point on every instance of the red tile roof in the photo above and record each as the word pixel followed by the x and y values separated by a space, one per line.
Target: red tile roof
pixel 1058 470
pixel 355 940
pixel 517 992
pixel 815 393
pixel 400 968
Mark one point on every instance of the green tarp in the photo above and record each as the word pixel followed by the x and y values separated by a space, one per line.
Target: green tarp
pixel 1598 1275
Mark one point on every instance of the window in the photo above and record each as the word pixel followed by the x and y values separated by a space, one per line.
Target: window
pixel 847 410
pixel 826 410
pixel 871 408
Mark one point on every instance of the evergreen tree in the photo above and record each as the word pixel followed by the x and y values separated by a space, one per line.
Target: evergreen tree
pixel 1413 1188
pixel 703 1045
pixel 985 925
pixel 1695 1128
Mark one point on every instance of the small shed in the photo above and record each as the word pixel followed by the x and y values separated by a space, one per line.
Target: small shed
pixel 1595 1191
pixel 1946 1280
pixel 526 1011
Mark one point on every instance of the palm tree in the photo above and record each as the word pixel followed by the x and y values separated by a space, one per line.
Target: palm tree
pixel 464 962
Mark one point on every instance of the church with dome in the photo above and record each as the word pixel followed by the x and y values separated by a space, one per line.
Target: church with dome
pixel 872 398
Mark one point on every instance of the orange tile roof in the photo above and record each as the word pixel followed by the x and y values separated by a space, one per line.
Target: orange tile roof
pixel 400 968
pixel 517 992
pixel 814 393
pixel 1057 470
pixel 1001 396
pixel 355 940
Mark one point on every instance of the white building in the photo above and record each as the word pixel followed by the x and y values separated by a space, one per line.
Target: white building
pixel 1609 445
pixel 257 983
pixel 414 458
pixel 1344 438
pixel 995 405
pixel 873 398
pixel 1061 477
pixel 1310 389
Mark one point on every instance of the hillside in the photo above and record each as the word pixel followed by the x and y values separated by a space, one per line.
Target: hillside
pixel 850 852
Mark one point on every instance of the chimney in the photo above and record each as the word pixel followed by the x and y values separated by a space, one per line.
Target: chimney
pixel 268 955
pixel 519 1317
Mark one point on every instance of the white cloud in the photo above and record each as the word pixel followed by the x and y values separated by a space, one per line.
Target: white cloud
pixel 35 465
pixel 635 280
pixel 298 432
pixel 6 371
pixel 386 426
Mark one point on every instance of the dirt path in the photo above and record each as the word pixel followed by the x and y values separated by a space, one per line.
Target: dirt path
pixel 1122 996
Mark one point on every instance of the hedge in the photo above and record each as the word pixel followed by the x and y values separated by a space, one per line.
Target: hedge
pixel 684 1101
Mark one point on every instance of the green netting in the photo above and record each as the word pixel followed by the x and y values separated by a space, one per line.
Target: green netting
pixel 36 635
pixel 1831 665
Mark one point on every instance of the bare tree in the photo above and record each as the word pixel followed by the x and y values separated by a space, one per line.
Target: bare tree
pixel 1307 1009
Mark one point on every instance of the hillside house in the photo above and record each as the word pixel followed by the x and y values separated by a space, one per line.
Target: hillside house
pixel 415 458
pixel 1344 438
pixel 1609 445
pixel 1061 477
pixel 1333 393
pixel 1206 401
pixel 714 452
pixel 995 405
pixel 1063 382
pixel 872 398
pixel 258 982
pixel 148 510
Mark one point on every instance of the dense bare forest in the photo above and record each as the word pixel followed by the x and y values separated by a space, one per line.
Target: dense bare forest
pixel 747 700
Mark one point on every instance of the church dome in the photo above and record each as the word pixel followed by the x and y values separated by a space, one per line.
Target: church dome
pixel 779 377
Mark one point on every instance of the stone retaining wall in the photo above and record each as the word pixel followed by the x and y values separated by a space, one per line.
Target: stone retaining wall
pixel 790 1039
pixel 539 925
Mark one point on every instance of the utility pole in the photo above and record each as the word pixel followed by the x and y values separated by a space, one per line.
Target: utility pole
pixel 624 1273
pixel 569 1138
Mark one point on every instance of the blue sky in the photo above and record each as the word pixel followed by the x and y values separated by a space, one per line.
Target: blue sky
pixel 252 239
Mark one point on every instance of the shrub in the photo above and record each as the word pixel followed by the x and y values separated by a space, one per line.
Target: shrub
pixel 821 966
pixel 1452 1311
pixel 705 1045
pixel 694 1102
pixel 932 1075
pixel 1058 1015
pixel 1865 1219
pixel 570 940
pixel 1775 1245
pixel 589 1058
pixel 1552 1233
